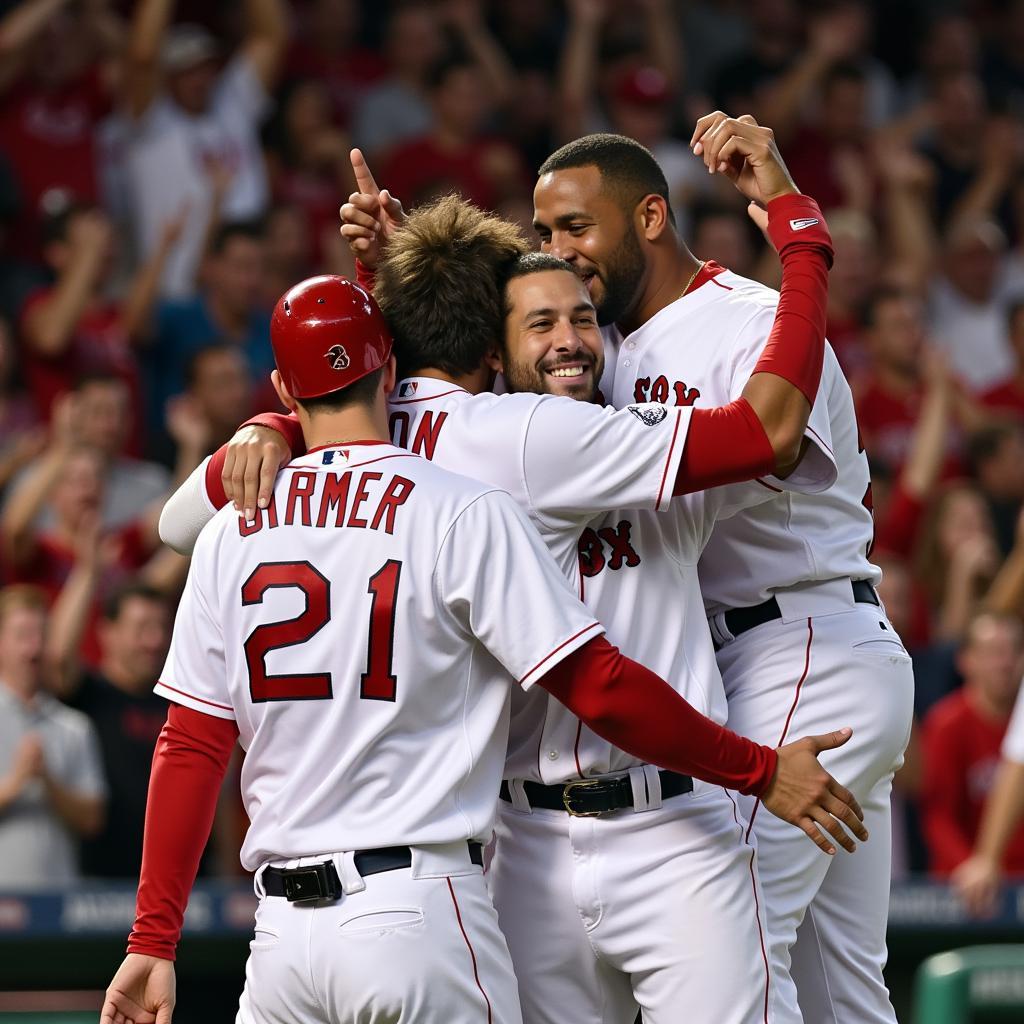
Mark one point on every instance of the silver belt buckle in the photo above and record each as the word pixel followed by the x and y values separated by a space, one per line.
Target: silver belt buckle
pixel 566 796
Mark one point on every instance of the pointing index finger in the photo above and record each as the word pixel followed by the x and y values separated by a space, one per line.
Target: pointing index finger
pixel 361 169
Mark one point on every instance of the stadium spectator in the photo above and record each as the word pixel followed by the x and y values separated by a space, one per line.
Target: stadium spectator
pixel 190 121
pixel 117 695
pixel 961 736
pixel 73 327
pixel 22 437
pixel 52 789
pixel 290 250
pixel 854 277
pixel 957 558
pixel 997 460
pixel 59 64
pixel 308 160
pixel 230 309
pixel 891 391
pixel 326 48
pixel 397 109
pixel 1007 397
pixel 969 304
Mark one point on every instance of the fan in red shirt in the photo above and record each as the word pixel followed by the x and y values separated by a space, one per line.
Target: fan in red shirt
pixel 1007 398
pixel 55 80
pixel 455 156
pixel 70 480
pixel 961 738
pixel 890 395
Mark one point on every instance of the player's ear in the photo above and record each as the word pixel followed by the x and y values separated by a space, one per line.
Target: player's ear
pixel 390 376
pixel 493 360
pixel 653 216
pixel 282 392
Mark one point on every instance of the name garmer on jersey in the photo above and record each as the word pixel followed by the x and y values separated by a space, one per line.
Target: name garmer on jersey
pixel 361 499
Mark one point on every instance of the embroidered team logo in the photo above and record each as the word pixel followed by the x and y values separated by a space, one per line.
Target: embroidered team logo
pixel 408 389
pixel 648 415
pixel 337 357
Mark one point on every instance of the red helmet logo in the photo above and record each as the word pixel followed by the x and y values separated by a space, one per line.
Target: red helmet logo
pixel 337 357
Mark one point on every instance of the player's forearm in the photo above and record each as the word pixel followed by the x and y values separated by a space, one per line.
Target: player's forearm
pixel 635 709
pixel 84 815
pixel 1004 811
pixel 761 432
pixel 189 763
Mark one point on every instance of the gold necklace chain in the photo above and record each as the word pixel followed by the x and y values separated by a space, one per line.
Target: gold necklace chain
pixel 693 277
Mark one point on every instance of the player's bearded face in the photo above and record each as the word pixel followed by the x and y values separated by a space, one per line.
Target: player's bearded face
pixel 578 222
pixel 552 342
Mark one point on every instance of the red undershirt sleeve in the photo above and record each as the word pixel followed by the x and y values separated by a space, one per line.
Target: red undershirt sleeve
pixel 214 478
pixel 630 706
pixel 365 277
pixel 286 424
pixel 728 444
pixel 189 763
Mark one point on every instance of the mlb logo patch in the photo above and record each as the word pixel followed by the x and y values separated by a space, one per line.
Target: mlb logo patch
pixel 335 455
pixel 408 389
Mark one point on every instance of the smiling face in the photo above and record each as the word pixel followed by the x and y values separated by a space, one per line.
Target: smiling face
pixel 582 223
pixel 552 344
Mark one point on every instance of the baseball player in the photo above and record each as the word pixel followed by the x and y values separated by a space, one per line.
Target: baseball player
pixel 694 848
pixel 977 878
pixel 348 637
pixel 787 585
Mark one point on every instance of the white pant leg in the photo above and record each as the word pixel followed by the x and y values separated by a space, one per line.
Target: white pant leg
pixel 403 951
pixel 534 877
pixel 658 909
pixel 807 677
pixel 840 946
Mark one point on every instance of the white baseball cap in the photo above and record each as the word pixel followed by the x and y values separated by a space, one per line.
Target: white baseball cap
pixel 185 46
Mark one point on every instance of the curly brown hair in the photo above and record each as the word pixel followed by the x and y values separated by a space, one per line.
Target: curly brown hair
pixel 440 285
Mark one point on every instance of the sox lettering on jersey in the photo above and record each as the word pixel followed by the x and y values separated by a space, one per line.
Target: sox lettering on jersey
pixel 645 391
pixel 620 549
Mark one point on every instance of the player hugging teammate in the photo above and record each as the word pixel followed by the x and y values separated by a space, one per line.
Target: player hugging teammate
pixel 359 622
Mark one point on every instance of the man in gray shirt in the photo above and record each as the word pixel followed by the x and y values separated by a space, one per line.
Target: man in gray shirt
pixel 52 789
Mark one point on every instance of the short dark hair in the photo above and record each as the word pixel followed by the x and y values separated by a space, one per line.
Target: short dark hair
pixel 87 378
pixel 56 223
pixel 362 392
pixel 197 357
pixel 878 298
pixel 627 169
pixel 532 263
pixel 114 602
pixel 1014 310
pixel 450 63
pixel 986 443
pixel 251 229
pixel 440 285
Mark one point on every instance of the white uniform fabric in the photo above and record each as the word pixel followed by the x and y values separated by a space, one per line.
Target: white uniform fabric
pixel 657 906
pixel 803 548
pixel 361 632
pixel 1013 741
pixel 168 157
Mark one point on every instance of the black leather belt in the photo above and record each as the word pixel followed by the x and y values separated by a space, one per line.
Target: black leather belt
pixel 739 620
pixel 321 882
pixel 588 798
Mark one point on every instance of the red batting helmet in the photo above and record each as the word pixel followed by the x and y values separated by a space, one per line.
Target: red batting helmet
pixel 327 333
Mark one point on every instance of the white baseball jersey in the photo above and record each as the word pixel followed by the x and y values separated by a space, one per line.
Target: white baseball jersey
pixel 361 632
pixel 1013 741
pixel 567 462
pixel 700 350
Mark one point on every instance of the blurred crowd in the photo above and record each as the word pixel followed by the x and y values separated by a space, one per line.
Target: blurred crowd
pixel 168 168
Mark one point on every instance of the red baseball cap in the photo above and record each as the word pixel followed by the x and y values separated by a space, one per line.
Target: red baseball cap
pixel 643 87
pixel 327 332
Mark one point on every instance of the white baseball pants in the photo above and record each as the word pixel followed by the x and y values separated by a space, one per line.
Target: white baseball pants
pixel 657 909
pixel 419 945
pixel 794 677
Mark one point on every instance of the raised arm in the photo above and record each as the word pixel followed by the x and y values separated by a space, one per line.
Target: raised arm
pixel 577 69
pixel 142 66
pixel 266 36
pixel 19 28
